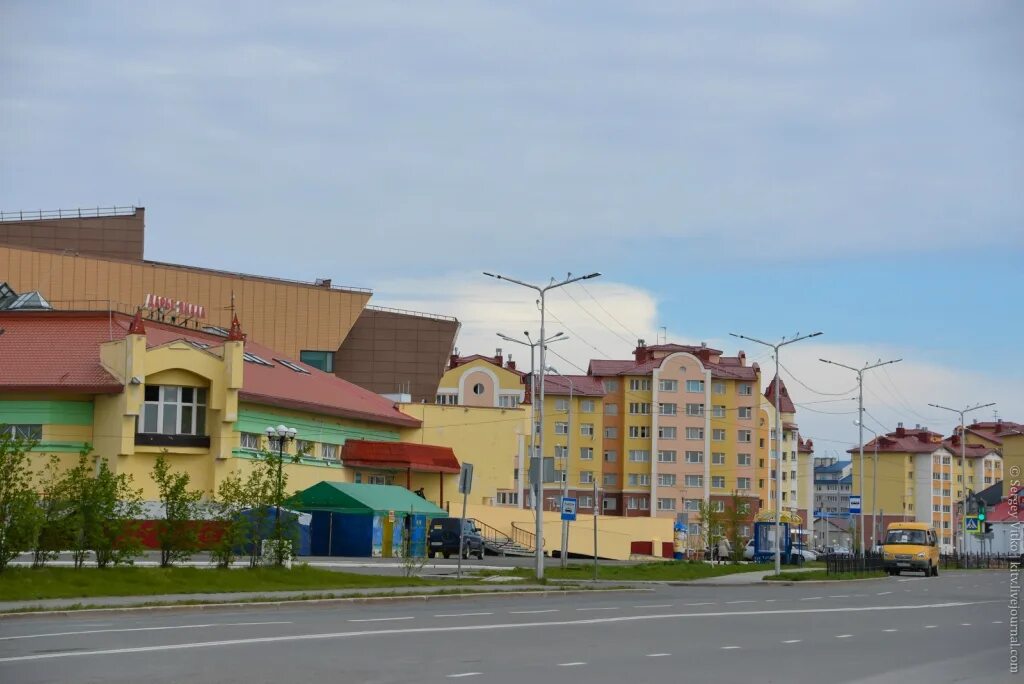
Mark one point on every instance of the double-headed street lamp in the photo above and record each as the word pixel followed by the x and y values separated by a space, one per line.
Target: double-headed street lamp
pixel 957 533
pixel 565 469
pixel 542 291
pixel 282 434
pixel 874 486
pixel 557 337
pixel 860 422
pixel 778 438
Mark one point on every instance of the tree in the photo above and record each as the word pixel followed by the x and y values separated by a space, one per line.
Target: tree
pixel 228 509
pixel 19 515
pixel 736 515
pixel 269 488
pixel 55 509
pixel 105 511
pixel 709 526
pixel 176 532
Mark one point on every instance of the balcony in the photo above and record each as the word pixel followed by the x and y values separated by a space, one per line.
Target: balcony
pixel 172 441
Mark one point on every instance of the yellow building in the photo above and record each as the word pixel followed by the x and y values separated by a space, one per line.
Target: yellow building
pixel 920 478
pixel 1005 437
pixel 134 389
pixel 682 424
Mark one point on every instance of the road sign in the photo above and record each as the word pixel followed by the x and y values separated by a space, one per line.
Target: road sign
pixel 972 524
pixel 466 478
pixel 854 504
pixel 569 508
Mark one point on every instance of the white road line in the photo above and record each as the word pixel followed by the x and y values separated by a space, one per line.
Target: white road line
pixel 965 624
pixel 603 608
pixel 890 630
pixel 729 648
pixel 460 614
pixel 658 655
pixel 143 629
pixel 997 622
pixel 840 596
pixel 464 674
pixel 656 605
pixel 391 619
pixel 812 598
pixel 708 603
pixel 791 641
pixel 570 664
pixel 883 593
pixel 377 633
pixel 532 612
pixel 843 636
pixel 770 600
pixel 744 601
pixel 930 626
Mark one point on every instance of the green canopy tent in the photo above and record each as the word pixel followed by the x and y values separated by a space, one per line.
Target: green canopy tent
pixel 363 519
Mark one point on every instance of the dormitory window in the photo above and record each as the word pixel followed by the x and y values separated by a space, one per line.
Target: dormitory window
pixel 666 504
pixel 695 386
pixel 667 480
pixel 587 406
pixel 668 385
pixel 171 410
pixel 252 440
pixel 447 399
pixel 323 360
pixel 667 456
pixel 329 452
pixel 639 384
pixel 666 432
pixel 25 431
pixel 305 448
pixel 745 413
pixel 508 401
pixel 508 498
pixel 746 390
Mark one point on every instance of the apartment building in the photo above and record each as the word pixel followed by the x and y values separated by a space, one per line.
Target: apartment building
pixel 794 478
pixel 833 484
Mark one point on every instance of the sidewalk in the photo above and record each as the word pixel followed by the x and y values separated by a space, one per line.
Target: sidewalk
pixel 243 596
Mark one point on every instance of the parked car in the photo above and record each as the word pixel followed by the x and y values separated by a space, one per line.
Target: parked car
pixel 837 551
pixel 805 552
pixel 444 538
pixel 748 550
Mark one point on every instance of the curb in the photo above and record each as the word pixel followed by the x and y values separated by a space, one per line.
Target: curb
pixel 286 603
pixel 789 583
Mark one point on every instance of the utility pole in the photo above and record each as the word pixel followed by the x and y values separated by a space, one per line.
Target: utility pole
pixel 958 533
pixel 860 422
pixel 874 486
pixel 778 438
pixel 557 337
pixel 565 469
pixel 542 291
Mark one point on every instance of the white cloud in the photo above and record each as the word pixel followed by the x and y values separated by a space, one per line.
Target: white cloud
pixel 826 394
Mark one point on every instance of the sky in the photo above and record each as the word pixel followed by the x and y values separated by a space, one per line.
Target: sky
pixel 759 168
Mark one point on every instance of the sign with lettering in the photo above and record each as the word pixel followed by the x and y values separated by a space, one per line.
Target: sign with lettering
pixel 174 306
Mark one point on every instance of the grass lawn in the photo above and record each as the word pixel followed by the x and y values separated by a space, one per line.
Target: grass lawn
pixel 822 575
pixel 23 584
pixel 664 571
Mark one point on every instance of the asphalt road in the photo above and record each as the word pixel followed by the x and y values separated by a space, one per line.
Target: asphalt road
pixel 946 629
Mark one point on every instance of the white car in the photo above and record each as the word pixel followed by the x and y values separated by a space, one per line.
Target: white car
pixel 748 552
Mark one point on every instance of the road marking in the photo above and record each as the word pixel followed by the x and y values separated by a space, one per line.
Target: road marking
pixel 858 595
pixel 812 598
pixel 391 619
pixel 840 596
pixel 460 614
pixel 843 636
pixel 883 593
pixel 890 630
pixel 930 626
pixel 997 622
pixel 464 674
pixel 791 641
pixel 656 605
pixel 658 655
pixel 729 648
pixel 965 624
pixel 377 633
pixel 532 612
pixel 770 600
pixel 144 629
pixel 744 601
pixel 570 664
pixel 602 608
pixel 709 603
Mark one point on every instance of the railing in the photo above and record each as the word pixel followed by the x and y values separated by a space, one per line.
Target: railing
pixel 45 214
pixel 840 563
pixel 524 538
pixel 489 533
pixel 407 312
pixel 967 561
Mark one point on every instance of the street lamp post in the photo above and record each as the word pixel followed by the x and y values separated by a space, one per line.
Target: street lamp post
pixel 557 337
pixel 778 439
pixel 860 421
pixel 957 532
pixel 874 486
pixel 565 469
pixel 542 291
pixel 282 434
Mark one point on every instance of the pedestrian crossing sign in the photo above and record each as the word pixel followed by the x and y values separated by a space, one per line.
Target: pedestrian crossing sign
pixel 972 524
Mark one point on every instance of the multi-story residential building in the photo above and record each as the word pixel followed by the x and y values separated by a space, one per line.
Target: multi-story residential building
pixel 484 381
pixel 1007 437
pixel 833 482
pixel 920 477
pixel 792 474
pixel 682 424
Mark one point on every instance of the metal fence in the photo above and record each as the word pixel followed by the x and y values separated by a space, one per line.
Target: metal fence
pixel 44 214
pixel 839 563
pixel 972 561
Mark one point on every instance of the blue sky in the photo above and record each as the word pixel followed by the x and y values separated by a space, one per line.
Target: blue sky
pixel 853 167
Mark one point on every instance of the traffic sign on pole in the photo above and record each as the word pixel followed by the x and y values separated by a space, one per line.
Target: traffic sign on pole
pixel 854 504
pixel 972 523
pixel 569 508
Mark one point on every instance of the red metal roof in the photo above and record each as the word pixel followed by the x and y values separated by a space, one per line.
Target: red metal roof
pixel 582 385
pixel 60 350
pixel 399 456
pixel 785 403
pixel 728 368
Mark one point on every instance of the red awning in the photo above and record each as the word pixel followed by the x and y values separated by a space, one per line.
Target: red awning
pixel 399 456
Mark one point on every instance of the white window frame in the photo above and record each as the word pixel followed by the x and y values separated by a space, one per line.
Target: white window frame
pixel 198 407
pixel 586 453
pixel 668 385
pixel 699 384
pixel 667 456
pixel 694 457
pixel 667 432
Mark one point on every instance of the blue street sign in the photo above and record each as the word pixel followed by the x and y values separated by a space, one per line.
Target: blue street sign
pixel 972 524
pixel 569 508
pixel 854 504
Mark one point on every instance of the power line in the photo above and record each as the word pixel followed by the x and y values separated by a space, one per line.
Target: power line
pixel 811 389
pixel 610 314
pixel 575 334
pixel 599 321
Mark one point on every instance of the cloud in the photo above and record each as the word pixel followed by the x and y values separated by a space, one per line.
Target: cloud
pixel 825 394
